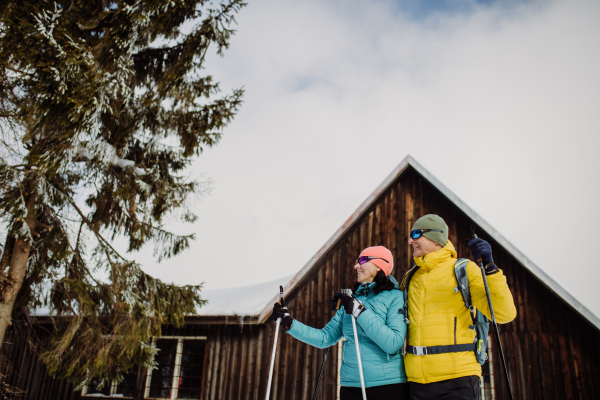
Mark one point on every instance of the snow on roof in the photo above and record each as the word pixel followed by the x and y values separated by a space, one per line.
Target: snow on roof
pixel 241 301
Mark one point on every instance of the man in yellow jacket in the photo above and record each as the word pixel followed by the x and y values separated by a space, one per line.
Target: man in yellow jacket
pixel 438 315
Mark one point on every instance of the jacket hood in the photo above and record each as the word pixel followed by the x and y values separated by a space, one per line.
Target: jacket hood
pixel 371 285
pixel 433 260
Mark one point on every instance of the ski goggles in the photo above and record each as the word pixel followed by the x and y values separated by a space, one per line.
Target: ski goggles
pixel 365 259
pixel 417 233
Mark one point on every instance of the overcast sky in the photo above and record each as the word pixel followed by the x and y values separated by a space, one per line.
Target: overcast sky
pixel 499 100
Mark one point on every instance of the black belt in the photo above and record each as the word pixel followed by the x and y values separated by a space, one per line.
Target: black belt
pixel 452 348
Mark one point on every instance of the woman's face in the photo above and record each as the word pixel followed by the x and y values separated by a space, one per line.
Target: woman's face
pixel 366 272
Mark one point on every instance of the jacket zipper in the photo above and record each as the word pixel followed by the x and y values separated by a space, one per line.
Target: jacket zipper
pixel 454 330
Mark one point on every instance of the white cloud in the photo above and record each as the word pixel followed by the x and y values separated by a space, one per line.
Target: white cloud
pixel 500 103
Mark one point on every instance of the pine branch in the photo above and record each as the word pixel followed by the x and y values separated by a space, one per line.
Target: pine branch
pixel 89 224
pixel 233 6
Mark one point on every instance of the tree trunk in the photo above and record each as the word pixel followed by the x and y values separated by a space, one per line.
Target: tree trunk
pixel 16 274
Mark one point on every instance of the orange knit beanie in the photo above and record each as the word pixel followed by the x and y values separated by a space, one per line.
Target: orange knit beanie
pixel 382 252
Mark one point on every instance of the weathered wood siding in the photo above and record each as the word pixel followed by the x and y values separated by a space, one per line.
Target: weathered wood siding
pixel 234 366
pixel 29 374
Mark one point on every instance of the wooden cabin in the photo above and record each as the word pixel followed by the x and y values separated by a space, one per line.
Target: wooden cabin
pixel 552 348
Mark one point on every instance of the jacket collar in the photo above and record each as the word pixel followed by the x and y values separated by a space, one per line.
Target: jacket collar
pixel 368 287
pixel 437 258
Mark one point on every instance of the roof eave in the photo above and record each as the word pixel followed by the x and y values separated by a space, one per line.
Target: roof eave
pixel 221 319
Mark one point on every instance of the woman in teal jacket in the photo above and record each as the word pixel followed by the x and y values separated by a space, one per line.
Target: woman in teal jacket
pixel 380 326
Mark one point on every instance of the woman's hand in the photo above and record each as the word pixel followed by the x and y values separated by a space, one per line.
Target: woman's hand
pixel 281 311
pixel 351 305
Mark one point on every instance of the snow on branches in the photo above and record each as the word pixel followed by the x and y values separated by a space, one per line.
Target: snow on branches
pixel 95 91
pixel 104 153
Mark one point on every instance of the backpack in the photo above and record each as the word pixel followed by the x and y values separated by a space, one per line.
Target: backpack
pixel 481 324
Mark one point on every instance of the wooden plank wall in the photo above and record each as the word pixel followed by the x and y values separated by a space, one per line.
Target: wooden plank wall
pixel 234 364
pixel 235 359
pixel 29 374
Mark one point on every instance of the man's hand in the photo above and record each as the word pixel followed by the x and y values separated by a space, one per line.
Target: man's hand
pixel 482 249
pixel 281 311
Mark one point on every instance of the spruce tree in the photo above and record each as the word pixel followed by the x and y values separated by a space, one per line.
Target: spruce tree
pixel 102 108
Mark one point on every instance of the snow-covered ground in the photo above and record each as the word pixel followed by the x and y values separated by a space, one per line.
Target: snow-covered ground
pixel 242 301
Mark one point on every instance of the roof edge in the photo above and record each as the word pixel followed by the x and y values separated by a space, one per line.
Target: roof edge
pixel 189 319
pixel 221 319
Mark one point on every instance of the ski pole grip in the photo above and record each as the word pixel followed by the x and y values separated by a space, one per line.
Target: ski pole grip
pixel 339 304
pixel 473 234
pixel 280 294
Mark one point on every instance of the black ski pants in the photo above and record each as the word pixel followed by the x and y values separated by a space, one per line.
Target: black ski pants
pixel 397 391
pixel 464 388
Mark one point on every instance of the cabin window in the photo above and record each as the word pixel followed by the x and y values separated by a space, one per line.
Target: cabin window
pixel 124 389
pixel 488 391
pixel 178 373
pixel 180 367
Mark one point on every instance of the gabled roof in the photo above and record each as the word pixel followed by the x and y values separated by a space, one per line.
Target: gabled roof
pixel 409 161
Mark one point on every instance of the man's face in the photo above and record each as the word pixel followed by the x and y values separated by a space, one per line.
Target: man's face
pixel 423 246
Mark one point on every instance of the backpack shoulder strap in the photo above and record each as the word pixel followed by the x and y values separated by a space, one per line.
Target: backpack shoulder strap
pixel 481 324
pixel 404 287
pixel 408 277
pixel 460 272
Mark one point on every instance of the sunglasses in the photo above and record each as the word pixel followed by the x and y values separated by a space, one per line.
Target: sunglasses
pixel 417 233
pixel 365 259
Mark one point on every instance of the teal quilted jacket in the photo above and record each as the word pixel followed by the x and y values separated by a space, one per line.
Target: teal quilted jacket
pixel 381 332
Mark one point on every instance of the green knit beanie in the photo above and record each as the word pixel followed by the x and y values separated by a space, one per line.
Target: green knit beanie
pixel 432 221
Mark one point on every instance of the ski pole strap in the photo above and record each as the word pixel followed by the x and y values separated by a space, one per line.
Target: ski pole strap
pixel 452 348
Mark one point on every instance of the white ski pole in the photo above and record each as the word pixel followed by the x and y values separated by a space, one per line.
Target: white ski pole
pixel 274 347
pixel 360 370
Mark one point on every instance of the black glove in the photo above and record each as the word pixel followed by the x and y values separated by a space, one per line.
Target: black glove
pixel 281 311
pixel 334 301
pixel 482 249
pixel 351 305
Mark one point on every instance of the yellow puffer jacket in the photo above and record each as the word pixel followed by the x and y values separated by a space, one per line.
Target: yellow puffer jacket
pixel 438 315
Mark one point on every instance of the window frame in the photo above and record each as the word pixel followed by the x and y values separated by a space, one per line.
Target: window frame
pixel 176 366
pixel 148 377
pixel 112 395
